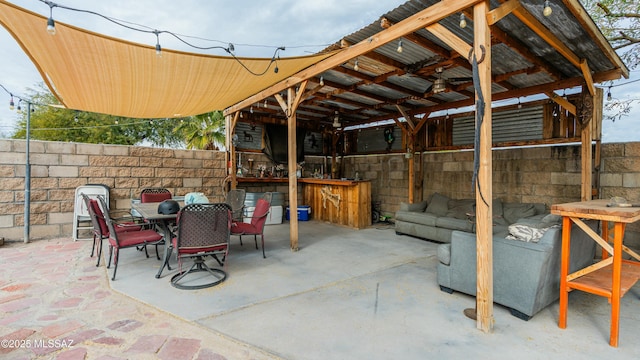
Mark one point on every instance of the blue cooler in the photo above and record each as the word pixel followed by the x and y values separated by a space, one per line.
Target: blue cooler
pixel 303 212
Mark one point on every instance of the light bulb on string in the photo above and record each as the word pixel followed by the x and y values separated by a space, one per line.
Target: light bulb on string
pixel 463 21
pixel 519 104
pixel 51 24
pixel 241 115
pixel 251 109
pixel 19 108
pixel 609 97
pixel 400 48
pixel 355 66
pixel 321 81
pixel 265 103
pixel 158 47
pixel 547 8
pixel 11 103
pixel 116 122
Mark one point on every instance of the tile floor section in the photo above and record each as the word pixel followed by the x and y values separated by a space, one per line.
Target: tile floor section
pixel 56 304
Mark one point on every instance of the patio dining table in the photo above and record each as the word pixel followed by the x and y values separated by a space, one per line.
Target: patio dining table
pixel 149 212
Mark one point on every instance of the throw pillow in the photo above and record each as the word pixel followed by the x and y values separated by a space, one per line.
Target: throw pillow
pixel 417 207
pixel 439 205
pixel 514 212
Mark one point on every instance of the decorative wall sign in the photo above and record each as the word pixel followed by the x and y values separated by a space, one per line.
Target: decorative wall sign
pixel 249 136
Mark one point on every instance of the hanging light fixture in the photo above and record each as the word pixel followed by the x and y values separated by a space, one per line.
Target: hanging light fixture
pixel 463 21
pixel 265 103
pixel 439 85
pixel 355 66
pixel 11 103
pixel 399 49
pixel 321 81
pixel 51 25
pixel 158 47
pixel 19 109
pixel 609 97
pixel 547 8
pixel 336 120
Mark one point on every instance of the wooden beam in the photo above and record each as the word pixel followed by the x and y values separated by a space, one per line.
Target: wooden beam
pixel 451 39
pixel 562 102
pixel 501 11
pixel 537 27
pixel 586 72
pixel 424 18
pixel 407 117
pixel 576 8
pixel 484 183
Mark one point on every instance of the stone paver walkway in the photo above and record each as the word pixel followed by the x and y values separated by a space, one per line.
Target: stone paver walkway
pixel 56 304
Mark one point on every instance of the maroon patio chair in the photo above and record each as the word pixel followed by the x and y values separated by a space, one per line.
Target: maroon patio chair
pixel 154 195
pixel 256 227
pixel 203 230
pixel 100 229
pixel 126 239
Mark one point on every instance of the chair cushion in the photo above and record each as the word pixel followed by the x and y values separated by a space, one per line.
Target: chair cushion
pixel 127 226
pixel 133 238
pixel 154 197
pixel 241 228
pixel 196 250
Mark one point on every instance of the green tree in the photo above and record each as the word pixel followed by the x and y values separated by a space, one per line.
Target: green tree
pixel 59 124
pixel 203 132
pixel 619 21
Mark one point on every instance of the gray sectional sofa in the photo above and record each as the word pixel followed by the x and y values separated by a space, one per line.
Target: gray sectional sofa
pixel 436 218
pixel 526 275
pixel 527 242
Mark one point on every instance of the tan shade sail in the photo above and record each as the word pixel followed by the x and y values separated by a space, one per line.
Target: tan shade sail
pixel 92 72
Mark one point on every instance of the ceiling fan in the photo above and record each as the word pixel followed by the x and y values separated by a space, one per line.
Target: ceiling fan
pixel 440 83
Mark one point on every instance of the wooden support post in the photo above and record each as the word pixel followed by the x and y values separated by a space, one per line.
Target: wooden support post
pixel 293 180
pixel 294 98
pixel 587 162
pixel 484 191
pixel 412 173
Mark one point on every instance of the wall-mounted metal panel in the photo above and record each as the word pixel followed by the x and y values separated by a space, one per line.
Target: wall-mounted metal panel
pixel 523 124
pixel 249 136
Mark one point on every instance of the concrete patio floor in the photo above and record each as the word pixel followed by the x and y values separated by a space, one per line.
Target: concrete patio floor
pixel 346 294
pixel 367 294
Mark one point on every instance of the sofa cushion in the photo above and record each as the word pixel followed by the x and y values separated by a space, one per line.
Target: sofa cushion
pixel 461 209
pixel 417 207
pixel 422 218
pixel 455 224
pixel 444 254
pixel 438 205
pixel 512 212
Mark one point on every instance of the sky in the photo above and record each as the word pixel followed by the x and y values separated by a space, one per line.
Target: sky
pixel 255 27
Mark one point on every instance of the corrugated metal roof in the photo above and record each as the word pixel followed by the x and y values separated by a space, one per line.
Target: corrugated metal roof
pixel 523 63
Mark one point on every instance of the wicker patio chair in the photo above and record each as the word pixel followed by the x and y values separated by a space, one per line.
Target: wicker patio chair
pixel 256 227
pixel 100 228
pixel 126 239
pixel 235 198
pixel 203 230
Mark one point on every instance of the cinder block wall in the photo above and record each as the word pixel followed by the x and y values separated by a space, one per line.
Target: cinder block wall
pixel 57 169
pixel 548 174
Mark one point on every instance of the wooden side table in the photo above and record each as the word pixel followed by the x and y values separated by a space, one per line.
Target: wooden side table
pixel 611 277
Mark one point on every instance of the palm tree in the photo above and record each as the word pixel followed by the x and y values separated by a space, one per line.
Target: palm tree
pixel 204 131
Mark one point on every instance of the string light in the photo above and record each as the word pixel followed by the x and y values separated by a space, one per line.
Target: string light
pixel 355 66
pixel 158 47
pixel 547 8
pixel 609 97
pixel 321 81
pixel 229 49
pixel 251 109
pixel 19 108
pixel 400 48
pixel 265 103
pixel 11 104
pixel 463 21
pixel 51 25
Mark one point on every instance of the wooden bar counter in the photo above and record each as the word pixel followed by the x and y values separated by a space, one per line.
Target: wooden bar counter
pixel 613 276
pixel 342 202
